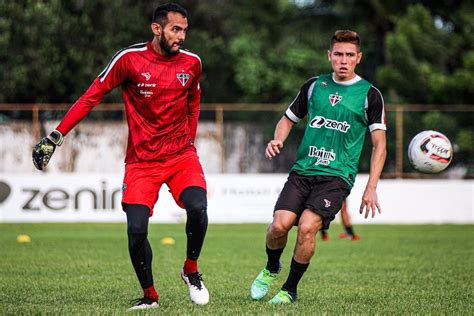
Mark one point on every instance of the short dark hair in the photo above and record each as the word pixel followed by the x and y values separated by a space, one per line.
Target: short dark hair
pixel 160 15
pixel 346 36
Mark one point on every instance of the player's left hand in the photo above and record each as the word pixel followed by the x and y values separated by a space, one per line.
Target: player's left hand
pixel 369 203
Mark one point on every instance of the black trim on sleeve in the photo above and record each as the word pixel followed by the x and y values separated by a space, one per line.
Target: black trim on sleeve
pixel 299 106
pixel 375 107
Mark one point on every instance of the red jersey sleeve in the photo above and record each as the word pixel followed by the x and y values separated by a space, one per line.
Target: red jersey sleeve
pixel 112 76
pixel 194 102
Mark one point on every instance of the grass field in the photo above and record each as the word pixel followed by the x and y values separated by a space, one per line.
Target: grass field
pixel 85 269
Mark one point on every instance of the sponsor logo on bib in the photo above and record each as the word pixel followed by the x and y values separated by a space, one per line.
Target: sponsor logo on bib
pixel 321 121
pixel 323 156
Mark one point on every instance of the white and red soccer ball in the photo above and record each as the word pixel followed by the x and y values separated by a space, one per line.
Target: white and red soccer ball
pixel 430 152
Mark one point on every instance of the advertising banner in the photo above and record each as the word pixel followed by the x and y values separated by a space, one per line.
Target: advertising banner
pixel 97 198
pixel 232 198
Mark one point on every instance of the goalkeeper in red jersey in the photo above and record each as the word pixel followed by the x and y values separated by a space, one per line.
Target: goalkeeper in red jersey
pixel 161 93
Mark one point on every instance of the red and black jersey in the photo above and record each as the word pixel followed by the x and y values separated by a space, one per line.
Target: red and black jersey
pixel 161 96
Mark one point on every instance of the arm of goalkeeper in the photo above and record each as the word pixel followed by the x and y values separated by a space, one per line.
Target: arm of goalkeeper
pixel 43 151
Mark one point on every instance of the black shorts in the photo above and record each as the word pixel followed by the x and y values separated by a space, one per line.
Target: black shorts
pixel 321 194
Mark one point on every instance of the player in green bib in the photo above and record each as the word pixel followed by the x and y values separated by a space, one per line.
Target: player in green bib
pixel 340 108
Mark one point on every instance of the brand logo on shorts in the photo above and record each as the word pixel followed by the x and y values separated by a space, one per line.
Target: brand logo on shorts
pixel 335 99
pixel 320 121
pixel 324 157
pixel 328 203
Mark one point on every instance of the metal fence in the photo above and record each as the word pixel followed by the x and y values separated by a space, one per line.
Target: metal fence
pixel 267 114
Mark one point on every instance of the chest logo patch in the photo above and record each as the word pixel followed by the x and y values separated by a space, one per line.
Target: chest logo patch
pixel 147 75
pixel 182 78
pixel 335 99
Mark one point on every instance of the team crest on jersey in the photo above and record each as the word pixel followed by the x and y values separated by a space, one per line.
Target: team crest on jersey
pixel 335 99
pixel 147 75
pixel 182 78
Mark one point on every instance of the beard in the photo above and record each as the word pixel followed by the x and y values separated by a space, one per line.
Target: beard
pixel 168 48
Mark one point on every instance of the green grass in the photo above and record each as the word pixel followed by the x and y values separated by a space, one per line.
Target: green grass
pixel 85 269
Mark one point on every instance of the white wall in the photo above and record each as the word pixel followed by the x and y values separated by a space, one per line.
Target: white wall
pixel 406 201
pixel 238 198
pixel 100 147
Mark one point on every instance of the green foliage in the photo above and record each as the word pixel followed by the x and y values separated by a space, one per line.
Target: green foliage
pixel 270 74
pixel 456 88
pixel 54 49
pixel 421 54
pixel 465 140
pixel 464 143
pixel 258 59
pixel 252 51
pixel 435 120
pixel 413 50
pixel 84 269
pixel 430 60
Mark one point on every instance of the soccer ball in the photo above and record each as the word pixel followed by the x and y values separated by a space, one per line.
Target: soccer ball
pixel 430 152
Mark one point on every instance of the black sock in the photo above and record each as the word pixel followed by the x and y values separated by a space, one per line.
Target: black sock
pixel 194 200
pixel 273 263
pixel 324 232
pixel 349 230
pixel 296 273
pixel 138 246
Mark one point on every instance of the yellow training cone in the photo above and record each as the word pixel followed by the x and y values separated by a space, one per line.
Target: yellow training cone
pixel 167 241
pixel 23 239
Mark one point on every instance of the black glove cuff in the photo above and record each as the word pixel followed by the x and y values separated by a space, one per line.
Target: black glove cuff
pixel 56 137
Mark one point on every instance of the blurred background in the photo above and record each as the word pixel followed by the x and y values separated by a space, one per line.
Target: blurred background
pixel 256 55
pixel 420 54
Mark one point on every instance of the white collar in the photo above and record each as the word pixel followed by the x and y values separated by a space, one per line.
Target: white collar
pixel 346 83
